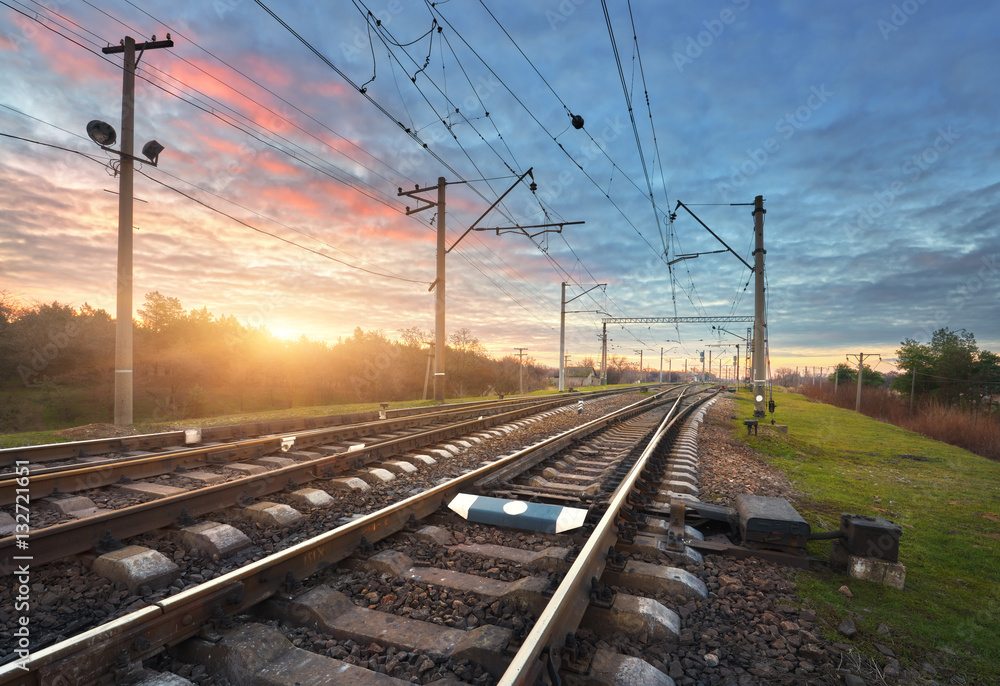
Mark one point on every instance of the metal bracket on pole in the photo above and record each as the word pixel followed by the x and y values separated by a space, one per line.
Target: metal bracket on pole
pixel 680 204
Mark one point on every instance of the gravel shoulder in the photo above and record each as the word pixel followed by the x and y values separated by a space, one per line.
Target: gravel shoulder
pixel 754 625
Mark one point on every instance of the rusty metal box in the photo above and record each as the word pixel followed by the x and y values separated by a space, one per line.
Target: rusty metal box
pixel 771 521
pixel 871 536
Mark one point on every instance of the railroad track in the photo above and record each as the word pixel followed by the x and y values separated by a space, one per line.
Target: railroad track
pixel 172 440
pixel 211 478
pixel 211 462
pixel 506 634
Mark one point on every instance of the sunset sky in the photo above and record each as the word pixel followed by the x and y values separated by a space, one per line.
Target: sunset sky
pixel 870 128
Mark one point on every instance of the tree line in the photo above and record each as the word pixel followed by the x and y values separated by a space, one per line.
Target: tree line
pixel 950 369
pixel 57 365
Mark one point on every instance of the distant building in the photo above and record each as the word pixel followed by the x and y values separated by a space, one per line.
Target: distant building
pixel 581 376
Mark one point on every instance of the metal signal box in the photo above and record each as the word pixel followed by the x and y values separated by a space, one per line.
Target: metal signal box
pixel 871 536
pixel 771 521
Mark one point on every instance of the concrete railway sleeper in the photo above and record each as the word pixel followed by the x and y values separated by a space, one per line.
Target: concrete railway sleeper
pixel 337 469
pixel 413 594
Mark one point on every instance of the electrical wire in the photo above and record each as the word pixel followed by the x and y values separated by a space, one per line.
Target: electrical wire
pixel 280 238
pixel 467 78
pixel 103 162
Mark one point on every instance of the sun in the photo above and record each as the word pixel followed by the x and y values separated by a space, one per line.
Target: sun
pixel 283 333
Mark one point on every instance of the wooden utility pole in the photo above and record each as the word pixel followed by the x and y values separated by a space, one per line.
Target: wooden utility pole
pixel 861 365
pixel 123 305
pixel 520 368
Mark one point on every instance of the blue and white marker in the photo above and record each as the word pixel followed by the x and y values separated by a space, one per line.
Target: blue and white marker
pixel 517 514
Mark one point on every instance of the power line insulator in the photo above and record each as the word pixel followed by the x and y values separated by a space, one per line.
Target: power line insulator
pixel 577 121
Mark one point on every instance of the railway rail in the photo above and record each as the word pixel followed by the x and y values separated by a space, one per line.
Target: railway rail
pixel 627 449
pixel 346 427
pixel 369 441
pixel 316 454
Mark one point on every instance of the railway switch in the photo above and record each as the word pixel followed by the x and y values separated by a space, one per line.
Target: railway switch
pixel 771 521
pixel 871 536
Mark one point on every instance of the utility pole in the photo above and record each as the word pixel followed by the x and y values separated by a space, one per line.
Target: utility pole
pixel 520 365
pixel 123 311
pixel 604 353
pixel 709 366
pixel 430 359
pixel 439 281
pixel 661 364
pixel 442 251
pixel 640 364
pixel 861 364
pixel 759 325
pixel 562 329
pixel 562 338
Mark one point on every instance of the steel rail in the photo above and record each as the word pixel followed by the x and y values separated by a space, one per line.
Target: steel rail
pixel 75 478
pixel 565 609
pixel 52 452
pixel 145 632
pixel 60 540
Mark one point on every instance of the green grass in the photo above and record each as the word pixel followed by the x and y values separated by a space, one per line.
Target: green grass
pixel 947 502
pixel 30 438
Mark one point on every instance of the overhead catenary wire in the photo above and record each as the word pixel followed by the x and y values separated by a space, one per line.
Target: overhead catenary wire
pixel 475 265
pixel 103 162
pixel 276 236
pixel 552 258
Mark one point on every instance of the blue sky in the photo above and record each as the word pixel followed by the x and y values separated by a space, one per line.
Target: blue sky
pixel 870 129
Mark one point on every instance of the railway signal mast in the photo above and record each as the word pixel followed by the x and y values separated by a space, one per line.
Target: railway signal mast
pixel 759 325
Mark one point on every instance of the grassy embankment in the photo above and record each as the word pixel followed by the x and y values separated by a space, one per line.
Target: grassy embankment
pixel 947 501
